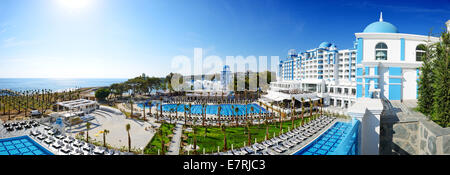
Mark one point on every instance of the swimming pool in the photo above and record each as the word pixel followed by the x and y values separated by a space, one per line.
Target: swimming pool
pixel 338 140
pixel 146 104
pixel 212 109
pixel 22 145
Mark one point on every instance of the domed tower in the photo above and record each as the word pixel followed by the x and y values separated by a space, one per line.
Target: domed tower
pixel 380 27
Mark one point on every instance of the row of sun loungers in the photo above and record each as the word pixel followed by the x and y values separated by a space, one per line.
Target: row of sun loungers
pixel 65 145
pixel 283 142
pixel 20 125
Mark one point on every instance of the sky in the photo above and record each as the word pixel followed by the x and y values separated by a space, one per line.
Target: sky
pixel 125 38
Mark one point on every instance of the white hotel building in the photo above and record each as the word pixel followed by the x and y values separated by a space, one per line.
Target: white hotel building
pixel 383 64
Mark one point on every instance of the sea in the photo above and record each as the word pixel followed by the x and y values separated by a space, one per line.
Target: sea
pixel 55 84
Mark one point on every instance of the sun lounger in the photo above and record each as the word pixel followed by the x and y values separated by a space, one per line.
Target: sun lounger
pixel 66 149
pixel 276 149
pixel 60 137
pixel 78 143
pixel 68 140
pixel 86 147
pixel 35 133
pixel 49 141
pixel 99 151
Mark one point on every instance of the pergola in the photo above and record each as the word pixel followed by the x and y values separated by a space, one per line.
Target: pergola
pixel 78 105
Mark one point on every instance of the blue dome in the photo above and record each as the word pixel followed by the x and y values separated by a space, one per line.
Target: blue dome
pixel 324 45
pixel 380 27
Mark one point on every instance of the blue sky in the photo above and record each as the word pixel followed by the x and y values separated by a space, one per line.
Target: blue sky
pixel 124 38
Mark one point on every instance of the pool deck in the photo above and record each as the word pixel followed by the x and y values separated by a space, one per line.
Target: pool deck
pixel 25 132
pixel 306 142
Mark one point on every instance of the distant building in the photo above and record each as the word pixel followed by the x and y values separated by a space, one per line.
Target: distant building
pixel 225 77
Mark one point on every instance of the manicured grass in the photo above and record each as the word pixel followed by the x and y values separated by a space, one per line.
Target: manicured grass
pixel 155 144
pixel 236 135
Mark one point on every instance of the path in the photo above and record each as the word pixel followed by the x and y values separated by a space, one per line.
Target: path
pixel 174 148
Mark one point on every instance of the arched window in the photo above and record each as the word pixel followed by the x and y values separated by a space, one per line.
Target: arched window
pixel 381 51
pixel 420 51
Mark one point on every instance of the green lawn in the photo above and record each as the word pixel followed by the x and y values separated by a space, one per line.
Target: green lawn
pixel 236 135
pixel 155 144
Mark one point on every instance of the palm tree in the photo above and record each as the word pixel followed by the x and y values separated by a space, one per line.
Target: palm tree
pixel 260 110
pixel 248 132
pixel 293 112
pixel 170 115
pixel 150 107
pixel 143 106
pixel 176 111
pixel 161 137
pixel 315 105
pixel 203 115
pixel 281 121
pixel 195 136
pixel 223 127
pixel 246 103
pixel 88 126
pixel 310 108
pixel 105 132
pixel 267 128
pixel 218 112
pixel 160 106
pixel 128 127
pixel 303 110
pixel 131 104
pixel 321 107
pixel 271 106
pixel 237 119
pixel 185 117
pixel 190 112
pixel 251 114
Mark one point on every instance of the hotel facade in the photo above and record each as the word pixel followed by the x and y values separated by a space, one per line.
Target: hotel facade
pixel 382 64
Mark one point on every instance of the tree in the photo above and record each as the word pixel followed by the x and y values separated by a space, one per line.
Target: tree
pixel 150 107
pixel 236 109
pixel 161 137
pixel 88 126
pixel 105 132
pixel 248 132
pixel 219 109
pixel 102 93
pixel 310 108
pixel 195 135
pixel 223 127
pixel 303 110
pixel 267 128
pixel 293 111
pixel 131 104
pixel 441 84
pixel 127 128
pixel 281 121
pixel 143 106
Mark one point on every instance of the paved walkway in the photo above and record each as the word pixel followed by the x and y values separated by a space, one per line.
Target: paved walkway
pixel 174 148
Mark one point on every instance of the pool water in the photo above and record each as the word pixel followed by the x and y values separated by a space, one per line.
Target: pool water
pixel 212 109
pixel 154 103
pixel 328 141
pixel 22 145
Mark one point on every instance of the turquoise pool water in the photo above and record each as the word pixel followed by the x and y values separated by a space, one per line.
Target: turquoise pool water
pixel 22 145
pixel 212 109
pixel 146 104
pixel 339 139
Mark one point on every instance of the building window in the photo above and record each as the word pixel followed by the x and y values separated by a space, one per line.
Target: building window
pixel 381 51
pixel 420 51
